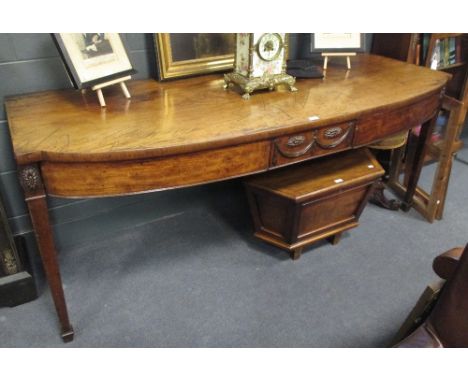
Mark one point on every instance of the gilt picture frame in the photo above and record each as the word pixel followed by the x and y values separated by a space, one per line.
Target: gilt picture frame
pixel 9 260
pixel 189 54
pixel 93 58
pixel 337 42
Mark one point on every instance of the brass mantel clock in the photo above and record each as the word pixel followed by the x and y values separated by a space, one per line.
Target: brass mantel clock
pixel 260 63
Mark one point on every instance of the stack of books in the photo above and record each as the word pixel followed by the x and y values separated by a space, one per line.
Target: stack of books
pixel 446 52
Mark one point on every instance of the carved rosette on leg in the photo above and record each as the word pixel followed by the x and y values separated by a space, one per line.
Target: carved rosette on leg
pixel 35 196
pixel 30 178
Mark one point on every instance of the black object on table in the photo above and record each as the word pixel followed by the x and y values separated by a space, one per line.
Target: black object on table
pixel 304 69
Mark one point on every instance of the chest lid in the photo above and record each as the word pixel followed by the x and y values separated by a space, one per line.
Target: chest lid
pixel 320 176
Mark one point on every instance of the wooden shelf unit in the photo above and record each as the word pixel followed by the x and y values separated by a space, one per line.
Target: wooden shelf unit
pixel 410 47
pixel 453 66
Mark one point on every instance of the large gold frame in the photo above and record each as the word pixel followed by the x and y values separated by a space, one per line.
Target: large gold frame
pixel 168 68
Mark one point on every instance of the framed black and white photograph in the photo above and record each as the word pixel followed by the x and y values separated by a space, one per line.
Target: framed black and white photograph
pixel 93 58
pixel 337 42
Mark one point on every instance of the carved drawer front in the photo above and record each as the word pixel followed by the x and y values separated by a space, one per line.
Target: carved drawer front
pixel 334 138
pixel 301 146
pixel 292 148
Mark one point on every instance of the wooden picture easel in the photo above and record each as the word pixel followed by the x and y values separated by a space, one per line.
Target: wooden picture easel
pixel 341 54
pixel 98 88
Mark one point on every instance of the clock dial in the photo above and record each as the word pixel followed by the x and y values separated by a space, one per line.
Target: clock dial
pixel 269 46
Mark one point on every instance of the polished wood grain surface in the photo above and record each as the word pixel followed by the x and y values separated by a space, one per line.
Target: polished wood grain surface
pixel 195 114
pixel 130 177
pixel 320 176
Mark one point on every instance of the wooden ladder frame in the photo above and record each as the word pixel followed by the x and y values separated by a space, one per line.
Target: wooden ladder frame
pixel 431 206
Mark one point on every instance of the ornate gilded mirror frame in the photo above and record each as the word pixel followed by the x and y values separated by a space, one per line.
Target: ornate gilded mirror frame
pixel 9 260
pixel 170 68
pixel 17 285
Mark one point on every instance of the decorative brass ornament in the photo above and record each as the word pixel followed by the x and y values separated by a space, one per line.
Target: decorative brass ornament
pixel 260 63
pixel 30 178
pixel 8 260
pixel 249 85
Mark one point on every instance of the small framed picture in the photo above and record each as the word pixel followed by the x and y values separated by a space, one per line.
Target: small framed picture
pixel 93 58
pixel 337 42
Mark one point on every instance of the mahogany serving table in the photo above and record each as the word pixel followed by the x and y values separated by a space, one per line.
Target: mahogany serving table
pixel 189 132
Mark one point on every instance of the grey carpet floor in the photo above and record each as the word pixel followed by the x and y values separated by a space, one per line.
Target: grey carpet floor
pixel 197 278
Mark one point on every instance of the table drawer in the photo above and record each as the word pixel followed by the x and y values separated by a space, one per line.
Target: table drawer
pixel 292 147
pixel 301 146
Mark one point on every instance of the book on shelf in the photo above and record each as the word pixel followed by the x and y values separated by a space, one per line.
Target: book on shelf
pixel 425 45
pixel 452 50
pixel 445 46
pixel 445 53
pixel 458 55
pixel 435 58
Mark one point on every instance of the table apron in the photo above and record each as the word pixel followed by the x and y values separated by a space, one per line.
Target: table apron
pixel 100 179
pixel 377 126
pixel 111 178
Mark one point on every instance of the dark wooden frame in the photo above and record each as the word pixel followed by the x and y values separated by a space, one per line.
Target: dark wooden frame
pixel 361 49
pixel 73 74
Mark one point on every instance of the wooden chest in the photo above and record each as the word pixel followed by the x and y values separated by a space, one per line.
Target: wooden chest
pixel 296 206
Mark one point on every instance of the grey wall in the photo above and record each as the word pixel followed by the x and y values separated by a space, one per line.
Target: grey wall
pixel 29 63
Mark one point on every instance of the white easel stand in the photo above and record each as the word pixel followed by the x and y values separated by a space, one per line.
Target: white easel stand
pixel 347 55
pixel 121 81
